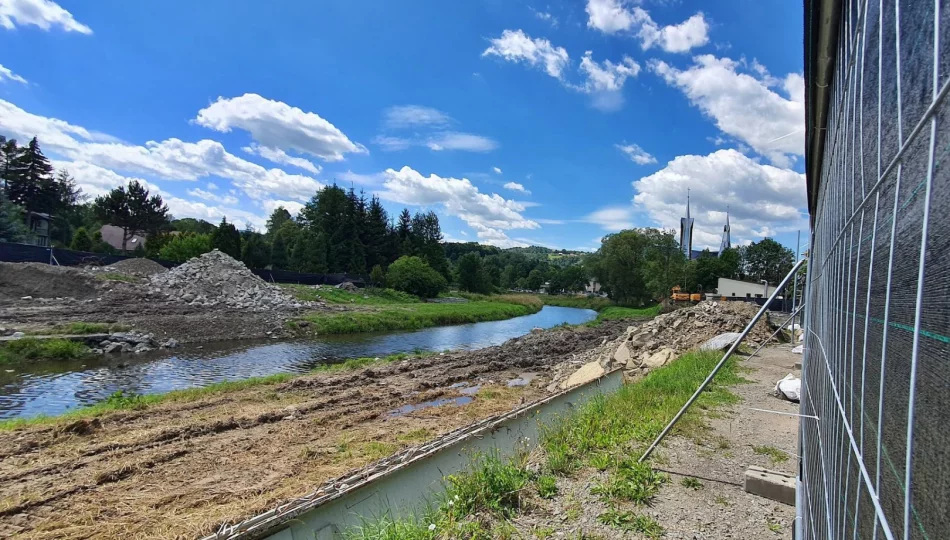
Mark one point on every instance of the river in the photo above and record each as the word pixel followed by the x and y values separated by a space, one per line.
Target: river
pixel 55 387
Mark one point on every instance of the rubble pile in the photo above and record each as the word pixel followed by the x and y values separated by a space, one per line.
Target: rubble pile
pixel 135 342
pixel 136 267
pixel 215 279
pixel 656 342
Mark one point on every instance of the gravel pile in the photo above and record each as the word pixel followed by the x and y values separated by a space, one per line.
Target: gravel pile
pixel 137 267
pixel 215 279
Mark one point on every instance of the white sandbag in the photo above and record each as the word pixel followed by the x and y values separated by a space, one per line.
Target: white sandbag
pixel 789 388
pixel 799 350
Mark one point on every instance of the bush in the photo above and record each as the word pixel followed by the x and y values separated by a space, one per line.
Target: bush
pixel 43 349
pixel 81 240
pixel 186 246
pixel 414 276
pixel 377 276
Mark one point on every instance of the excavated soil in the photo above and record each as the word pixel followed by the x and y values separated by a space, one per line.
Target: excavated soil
pixel 180 470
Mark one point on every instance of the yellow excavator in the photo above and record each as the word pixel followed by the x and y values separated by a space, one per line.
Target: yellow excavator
pixel 677 295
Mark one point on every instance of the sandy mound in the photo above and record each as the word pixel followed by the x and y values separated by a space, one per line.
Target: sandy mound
pixel 136 267
pixel 44 281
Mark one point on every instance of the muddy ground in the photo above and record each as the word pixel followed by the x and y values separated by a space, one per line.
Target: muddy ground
pixel 179 470
pixel 60 295
pixel 718 508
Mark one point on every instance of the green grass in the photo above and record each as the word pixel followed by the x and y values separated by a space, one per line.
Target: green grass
pixel 332 295
pixel 776 455
pixel 547 486
pixel 121 401
pixel 596 303
pixel 413 316
pixel 612 313
pixel 115 276
pixel 24 349
pixel 80 328
pixel 628 521
pixel 689 482
pixel 630 481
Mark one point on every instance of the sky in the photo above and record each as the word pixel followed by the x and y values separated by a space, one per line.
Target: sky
pixel 545 123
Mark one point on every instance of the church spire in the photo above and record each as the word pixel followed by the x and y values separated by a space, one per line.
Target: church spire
pixel 726 237
pixel 686 231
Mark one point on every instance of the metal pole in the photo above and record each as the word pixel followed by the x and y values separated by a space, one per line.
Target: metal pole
pixel 798 248
pixel 780 328
pixel 735 345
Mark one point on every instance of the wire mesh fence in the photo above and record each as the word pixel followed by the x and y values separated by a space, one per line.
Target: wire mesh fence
pixel 876 462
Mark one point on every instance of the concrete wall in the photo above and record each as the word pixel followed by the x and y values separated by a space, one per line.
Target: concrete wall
pixel 743 289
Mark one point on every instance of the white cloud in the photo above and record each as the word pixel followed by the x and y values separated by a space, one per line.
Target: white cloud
pixel 496 169
pixel 212 186
pixel 393 144
pixel 294 207
pixel 551 221
pixel 761 199
pixel 6 73
pixel 619 16
pixel 459 197
pixel 277 125
pixel 515 186
pixel 408 116
pixel 95 180
pixel 42 13
pixel 276 155
pixel 604 81
pixel 636 154
pixel 516 46
pixel 495 237
pixel 546 17
pixel 612 218
pixel 213 197
pixel 453 140
pixel 744 106
pixel 182 208
pixel 363 179
pixel 171 159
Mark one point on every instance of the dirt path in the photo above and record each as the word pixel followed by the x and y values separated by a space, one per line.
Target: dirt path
pixel 179 470
pixel 719 508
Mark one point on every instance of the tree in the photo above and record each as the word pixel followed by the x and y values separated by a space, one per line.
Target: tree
pixel 414 276
pixel 277 218
pixel 376 235
pixel 622 257
pixel 186 246
pixel 768 260
pixel 282 245
pixel 377 276
pixel 472 275
pixel 426 238
pixel 192 225
pixel 9 154
pixel 534 280
pixel 81 240
pixel 309 253
pixel 11 221
pixel 132 210
pixel 227 239
pixel 31 183
pixel 255 253
pixel 101 246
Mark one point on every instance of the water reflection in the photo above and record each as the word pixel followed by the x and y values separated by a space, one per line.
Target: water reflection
pixel 54 387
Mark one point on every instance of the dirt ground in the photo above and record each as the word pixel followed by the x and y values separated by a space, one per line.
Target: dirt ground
pixel 179 470
pixel 720 508
pixel 60 295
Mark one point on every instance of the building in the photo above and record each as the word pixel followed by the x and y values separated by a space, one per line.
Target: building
pixel 38 225
pixel 686 232
pixel 112 235
pixel 734 288
pixel 592 287
pixel 726 242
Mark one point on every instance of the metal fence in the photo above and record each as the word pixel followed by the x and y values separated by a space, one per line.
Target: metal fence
pixel 875 432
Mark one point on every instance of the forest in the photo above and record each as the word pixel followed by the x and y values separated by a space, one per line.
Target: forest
pixel 341 231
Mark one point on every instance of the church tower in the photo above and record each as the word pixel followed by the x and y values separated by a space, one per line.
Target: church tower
pixel 726 239
pixel 686 232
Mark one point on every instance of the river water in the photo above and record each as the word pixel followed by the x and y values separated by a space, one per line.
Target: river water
pixel 55 387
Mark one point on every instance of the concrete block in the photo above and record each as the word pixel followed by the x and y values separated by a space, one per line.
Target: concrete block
pixel 776 486
pixel 587 373
pixel 798 366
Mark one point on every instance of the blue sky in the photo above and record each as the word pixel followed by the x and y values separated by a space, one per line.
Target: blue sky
pixel 549 123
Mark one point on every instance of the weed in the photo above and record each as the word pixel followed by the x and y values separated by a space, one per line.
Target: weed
pixel 691 483
pixel 573 509
pixel 721 499
pixel 776 455
pixel 42 349
pixel 722 443
pixel 504 530
pixel 547 486
pixel 417 435
pixel 601 461
pixel 542 532
pixel 628 521
pixel 490 485
pixel 377 450
pixel 774 526
pixel 489 394
pixel 80 328
pixel 126 400
pixel 632 481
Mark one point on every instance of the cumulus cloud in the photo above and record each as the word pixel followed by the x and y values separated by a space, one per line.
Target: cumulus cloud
pixel 42 13
pixel 619 16
pixel 454 140
pixel 495 237
pixel 269 205
pixel 183 208
pixel 743 105
pixel 276 155
pixel 762 200
pixel 516 46
pixel 515 186
pixel 277 125
pixel 95 180
pixel 605 80
pixel 213 197
pixel 636 154
pixel 7 74
pixel 612 218
pixel 487 214
pixel 409 116
pixel 171 159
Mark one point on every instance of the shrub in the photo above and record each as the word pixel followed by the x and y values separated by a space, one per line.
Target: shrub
pixel 414 276
pixel 47 349
pixel 186 246
pixel 377 276
pixel 81 240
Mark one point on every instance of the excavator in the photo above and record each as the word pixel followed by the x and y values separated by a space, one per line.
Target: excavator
pixel 677 295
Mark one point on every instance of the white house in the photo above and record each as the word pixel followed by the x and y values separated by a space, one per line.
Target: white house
pixel 733 288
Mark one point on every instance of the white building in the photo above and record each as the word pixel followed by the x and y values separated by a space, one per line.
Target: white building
pixel 733 288
pixel 592 287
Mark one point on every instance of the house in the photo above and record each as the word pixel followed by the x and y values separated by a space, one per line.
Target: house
pixel 733 288
pixel 112 235
pixel 38 225
pixel 592 287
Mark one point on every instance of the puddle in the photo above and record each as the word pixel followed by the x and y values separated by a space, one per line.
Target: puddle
pixel 470 390
pixel 523 380
pixel 457 401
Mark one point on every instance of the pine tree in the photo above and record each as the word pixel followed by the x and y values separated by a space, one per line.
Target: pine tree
pixel 282 245
pixel 376 234
pixel 11 221
pixel 9 154
pixel 31 183
pixel 227 239
pixel 81 240
pixel 132 209
pixel 309 253
pixel 278 217
pixel 255 253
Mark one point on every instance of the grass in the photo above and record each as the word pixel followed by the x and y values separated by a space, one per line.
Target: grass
pixel 362 297
pixel 24 349
pixel 121 401
pixel 776 455
pixel 413 316
pixel 630 481
pixel 547 486
pixel 80 328
pixel 628 521
pixel 595 303
pixel 116 276
pixel 691 483
pixel 612 313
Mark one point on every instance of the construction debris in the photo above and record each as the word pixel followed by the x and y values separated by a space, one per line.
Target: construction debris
pixel 215 279
pixel 138 267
